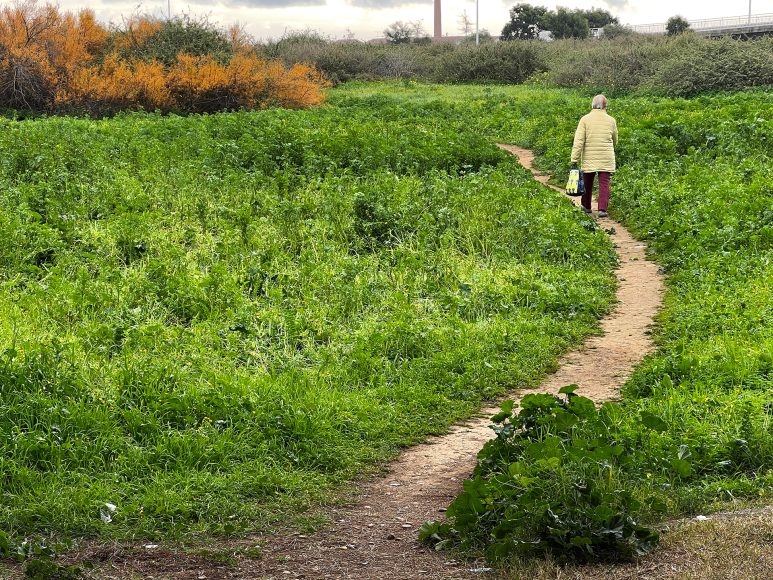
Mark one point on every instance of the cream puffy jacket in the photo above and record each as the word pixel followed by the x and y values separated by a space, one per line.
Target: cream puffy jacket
pixel 595 141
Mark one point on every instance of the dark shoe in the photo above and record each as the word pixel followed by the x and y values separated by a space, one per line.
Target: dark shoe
pixel 602 213
pixel 586 209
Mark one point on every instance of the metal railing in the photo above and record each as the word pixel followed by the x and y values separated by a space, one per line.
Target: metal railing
pixel 731 22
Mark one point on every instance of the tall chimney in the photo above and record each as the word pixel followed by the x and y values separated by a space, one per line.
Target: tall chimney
pixel 438 31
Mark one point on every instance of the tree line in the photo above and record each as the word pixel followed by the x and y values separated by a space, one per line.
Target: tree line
pixel 528 21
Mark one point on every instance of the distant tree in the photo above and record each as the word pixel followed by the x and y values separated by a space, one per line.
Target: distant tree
pixel 465 23
pixel 483 35
pixel 400 32
pixel 676 25
pixel 565 23
pixel 525 22
pixel 616 30
pixel 598 18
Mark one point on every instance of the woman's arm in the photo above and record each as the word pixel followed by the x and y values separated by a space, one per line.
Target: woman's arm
pixel 579 142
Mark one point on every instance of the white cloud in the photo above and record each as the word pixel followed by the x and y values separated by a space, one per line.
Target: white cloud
pixel 368 18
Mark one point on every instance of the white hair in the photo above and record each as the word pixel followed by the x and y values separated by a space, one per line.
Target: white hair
pixel 599 102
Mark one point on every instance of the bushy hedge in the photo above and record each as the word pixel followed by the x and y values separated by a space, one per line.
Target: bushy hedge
pixel 695 65
pixel 64 62
pixel 509 62
pixel 628 63
pixel 682 66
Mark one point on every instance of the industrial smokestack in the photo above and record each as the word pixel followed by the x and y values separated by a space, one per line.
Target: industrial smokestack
pixel 438 31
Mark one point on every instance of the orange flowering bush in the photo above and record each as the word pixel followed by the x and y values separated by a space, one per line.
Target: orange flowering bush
pixel 259 83
pixel 63 61
pixel 116 85
pixel 135 35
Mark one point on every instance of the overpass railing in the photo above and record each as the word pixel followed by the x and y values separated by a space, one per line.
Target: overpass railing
pixel 730 22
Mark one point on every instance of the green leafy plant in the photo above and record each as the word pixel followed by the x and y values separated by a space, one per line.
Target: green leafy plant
pixel 547 484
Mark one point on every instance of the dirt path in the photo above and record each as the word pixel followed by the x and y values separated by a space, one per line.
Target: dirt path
pixel 377 536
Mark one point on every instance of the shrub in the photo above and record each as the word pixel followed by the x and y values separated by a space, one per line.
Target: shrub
pixel 696 65
pixel 681 66
pixel 615 30
pixel 511 62
pixel 621 62
pixel 41 50
pixel 344 61
pixel 547 484
pixel 162 41
pixel 63 62
pixel 611 65
pixel 677 25
pixel 197 84
pixel 116 85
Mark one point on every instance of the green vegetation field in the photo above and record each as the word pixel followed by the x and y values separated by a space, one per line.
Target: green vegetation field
pixel 695 428
pixel 207 322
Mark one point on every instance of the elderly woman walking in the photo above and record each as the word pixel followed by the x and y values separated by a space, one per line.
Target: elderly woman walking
pixel 594 146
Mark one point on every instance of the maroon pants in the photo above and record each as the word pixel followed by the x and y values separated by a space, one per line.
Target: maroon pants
pixel 587 197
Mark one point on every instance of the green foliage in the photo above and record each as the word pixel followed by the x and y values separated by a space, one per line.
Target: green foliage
pixel 345 61
pixel 600 18
pixel 39 557
pixel 182 34
pixel 512 63
pixel 615 30
pixel 565 23
pixel 525 22
pixel 620 63
pixel 697 66
pixel 400 32
pixel 547 484
pixel 685 65
pixel 207 322
pixel 677 25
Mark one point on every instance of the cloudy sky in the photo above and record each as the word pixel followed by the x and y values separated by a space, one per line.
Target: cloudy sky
pixel 367 18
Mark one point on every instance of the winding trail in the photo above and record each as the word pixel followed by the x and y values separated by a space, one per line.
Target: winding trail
pixel 376 538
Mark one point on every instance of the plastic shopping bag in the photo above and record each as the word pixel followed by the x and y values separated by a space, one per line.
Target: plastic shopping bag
pixel 573 183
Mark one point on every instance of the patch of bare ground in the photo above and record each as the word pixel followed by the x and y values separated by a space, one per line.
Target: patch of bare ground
pixel 375 536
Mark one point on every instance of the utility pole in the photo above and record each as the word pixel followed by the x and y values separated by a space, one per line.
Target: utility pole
pixel 477 34
pixel 750 11
pixel 169 9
